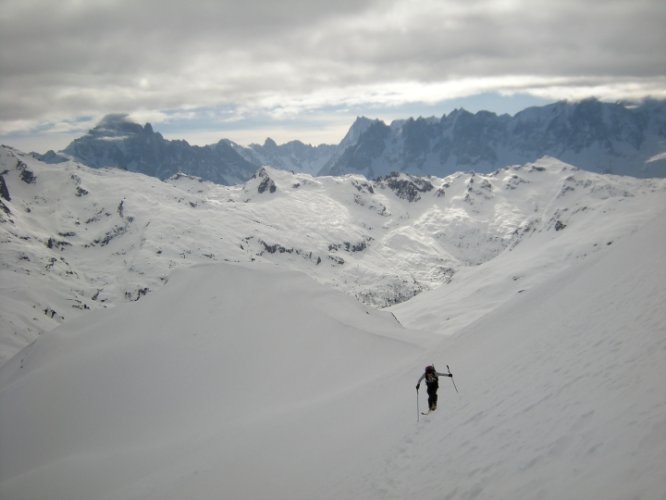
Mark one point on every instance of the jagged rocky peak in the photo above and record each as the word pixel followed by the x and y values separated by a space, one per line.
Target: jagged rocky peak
pixel 118 125
pixel 270 144
pixel 363 186
pixel 118 142
pixel 598 136
pixel 594 135
pixel 265 182
pixel 405 186
pixel 50 157
pixel 104 142
pixel 27 175
pixel 358 128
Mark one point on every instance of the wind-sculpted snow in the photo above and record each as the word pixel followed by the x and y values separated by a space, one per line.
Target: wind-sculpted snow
pixel 75 239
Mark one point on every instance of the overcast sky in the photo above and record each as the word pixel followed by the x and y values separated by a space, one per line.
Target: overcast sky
pixel 244 70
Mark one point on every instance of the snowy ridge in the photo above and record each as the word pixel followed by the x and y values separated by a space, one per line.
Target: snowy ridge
pixel 74 239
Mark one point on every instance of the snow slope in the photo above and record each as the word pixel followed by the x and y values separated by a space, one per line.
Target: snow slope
pixel 231 382
pixel 585 222
pixel 562 395
pixel 75 239
pixel 253 382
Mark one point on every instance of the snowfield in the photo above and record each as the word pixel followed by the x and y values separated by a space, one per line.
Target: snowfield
pixel 205 389
pixel 245 379
pixel 75 239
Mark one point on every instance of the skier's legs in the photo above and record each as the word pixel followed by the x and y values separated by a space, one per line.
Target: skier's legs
pixel 432 396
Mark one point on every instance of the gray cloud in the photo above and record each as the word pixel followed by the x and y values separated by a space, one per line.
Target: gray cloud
pixel 68 58
pixel 543 38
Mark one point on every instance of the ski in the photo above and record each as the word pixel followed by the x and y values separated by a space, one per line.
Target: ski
pixel 454 382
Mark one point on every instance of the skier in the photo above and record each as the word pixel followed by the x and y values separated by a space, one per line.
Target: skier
pixel 432 383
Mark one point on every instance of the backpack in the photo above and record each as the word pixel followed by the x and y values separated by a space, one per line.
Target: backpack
pixel 431 376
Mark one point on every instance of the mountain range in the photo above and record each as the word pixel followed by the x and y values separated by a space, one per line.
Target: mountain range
pixel 185 339
pixel 616 138
pixel 75 238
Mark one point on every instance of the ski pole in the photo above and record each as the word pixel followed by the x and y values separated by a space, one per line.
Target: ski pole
pixel 418 412
pixel 454 382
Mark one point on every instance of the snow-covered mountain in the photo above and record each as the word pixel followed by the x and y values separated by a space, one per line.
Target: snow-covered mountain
pixel 118 142
pixel 600 137
pixel 293 156
pixel 75 239
pixel 252 382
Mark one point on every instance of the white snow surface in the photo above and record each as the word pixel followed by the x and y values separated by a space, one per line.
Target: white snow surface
pixel 248 380
pixel 75 239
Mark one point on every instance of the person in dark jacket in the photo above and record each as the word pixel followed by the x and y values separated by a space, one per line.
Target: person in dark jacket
pixel 431 377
